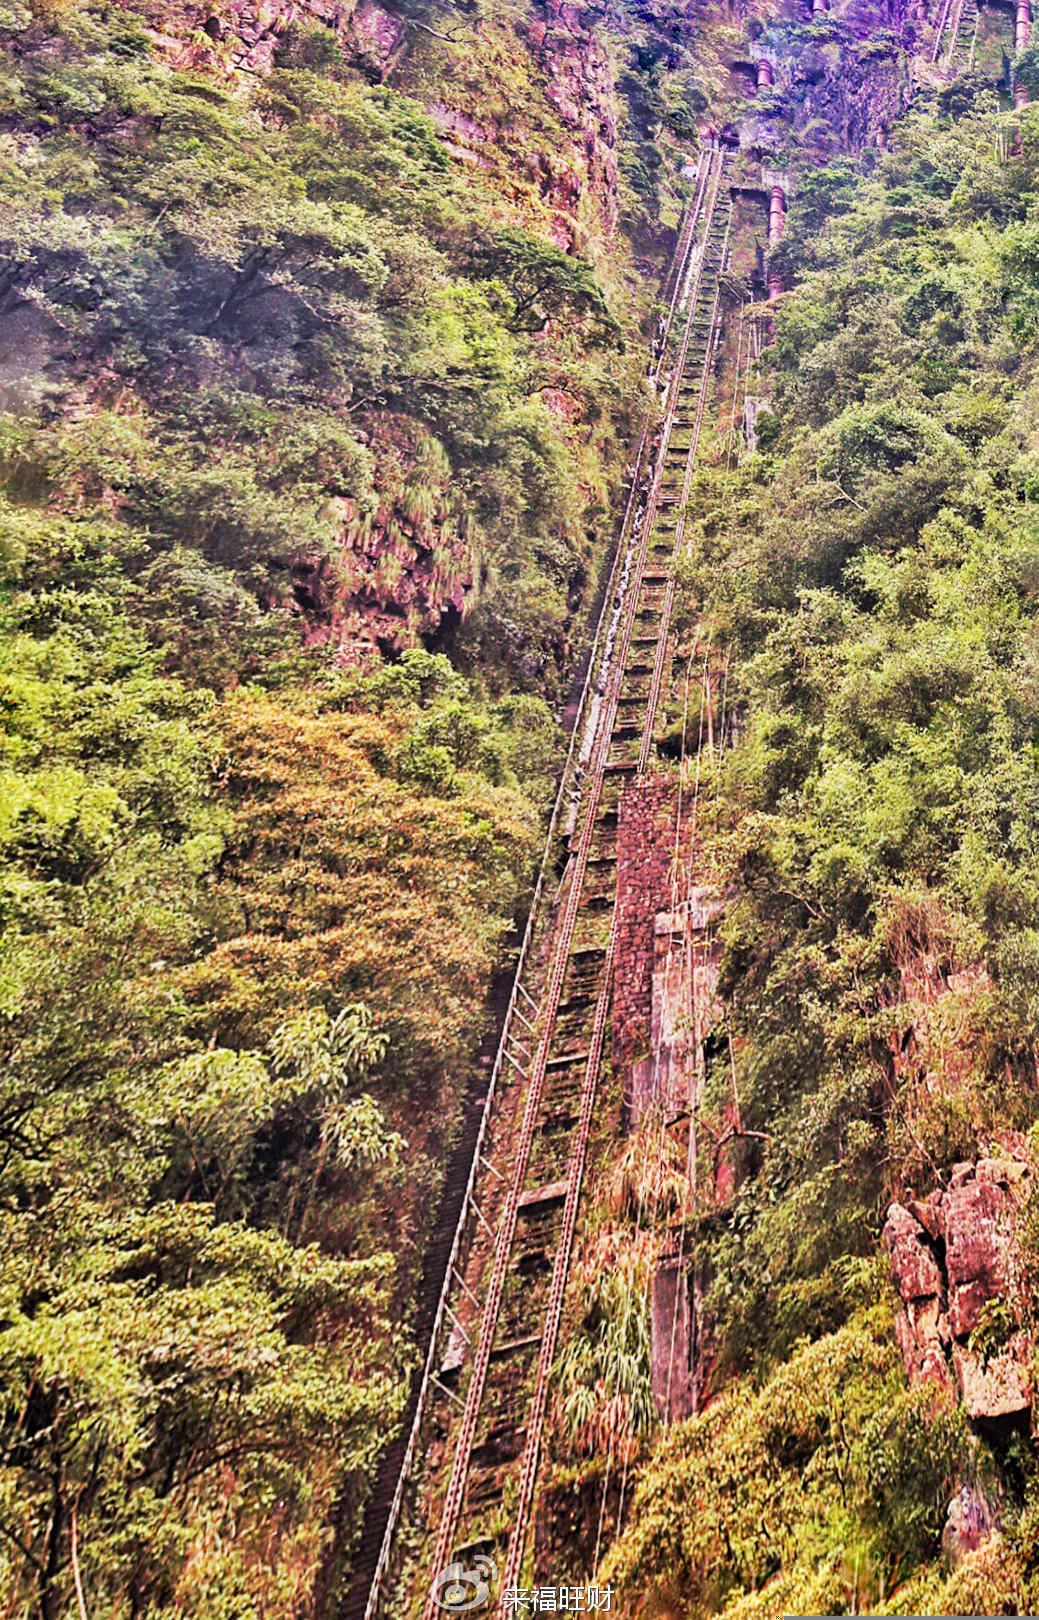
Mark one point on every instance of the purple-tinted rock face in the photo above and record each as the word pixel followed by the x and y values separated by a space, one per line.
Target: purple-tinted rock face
pixel 370 36
pixel 377 35
pixel 949 1256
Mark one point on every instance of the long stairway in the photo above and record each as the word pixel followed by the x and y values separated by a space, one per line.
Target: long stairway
pixel 955 33
pixel 476 1437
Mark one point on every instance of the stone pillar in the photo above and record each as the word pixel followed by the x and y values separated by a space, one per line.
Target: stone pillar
pixel 645 851
pixel 668 1076
pixel 764 73
pixel 674 1341
pixel 666 969
pixel 1022 26
pixel 819 7
pixel 683 1006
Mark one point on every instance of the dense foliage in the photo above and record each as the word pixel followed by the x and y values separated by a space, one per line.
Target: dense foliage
pixel 194 894
pixel 282 380
pixel 281 383
pixel 873 568
pixel 829 1474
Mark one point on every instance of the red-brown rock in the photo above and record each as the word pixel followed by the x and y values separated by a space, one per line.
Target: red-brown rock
pixel 1001 1388
pixel 949 1257
pixel 914 1267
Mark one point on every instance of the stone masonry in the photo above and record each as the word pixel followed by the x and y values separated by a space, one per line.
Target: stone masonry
pixel 646 848
pixel 664 1005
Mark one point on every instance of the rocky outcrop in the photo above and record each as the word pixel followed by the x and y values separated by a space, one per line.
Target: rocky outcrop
pixel 243 35
pixel 971 1211
pixel 575 177
pixel 840 82
pixel 580 89
pixel 950 1255
pixel 970 1522
pixel 391 583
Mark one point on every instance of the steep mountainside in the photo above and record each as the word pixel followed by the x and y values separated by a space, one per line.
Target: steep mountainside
pixel 869 1073
pixel 320 360
pixel 328 338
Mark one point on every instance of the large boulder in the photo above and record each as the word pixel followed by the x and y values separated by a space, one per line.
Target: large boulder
pixel 971 1212
pixel 923 1332
pixel 1000 1387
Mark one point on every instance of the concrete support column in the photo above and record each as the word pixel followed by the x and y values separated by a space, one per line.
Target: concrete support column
pixel 764 73
pixel 1022 26
pixel 776 216
pixel 776 213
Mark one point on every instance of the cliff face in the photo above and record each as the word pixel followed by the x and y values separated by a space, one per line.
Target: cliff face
pixel 546 162
pixel 581 88
pixel 836 83
pixel 952 1254
pixel 242 38
pixel 559 123
pixel 840 81
pixel 570 65
pixel 435 302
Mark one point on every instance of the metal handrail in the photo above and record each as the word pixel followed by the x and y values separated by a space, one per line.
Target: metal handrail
pixel 553 1314
pixel 393 1519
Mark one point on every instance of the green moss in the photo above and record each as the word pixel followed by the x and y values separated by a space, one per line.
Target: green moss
pixel 828 1481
